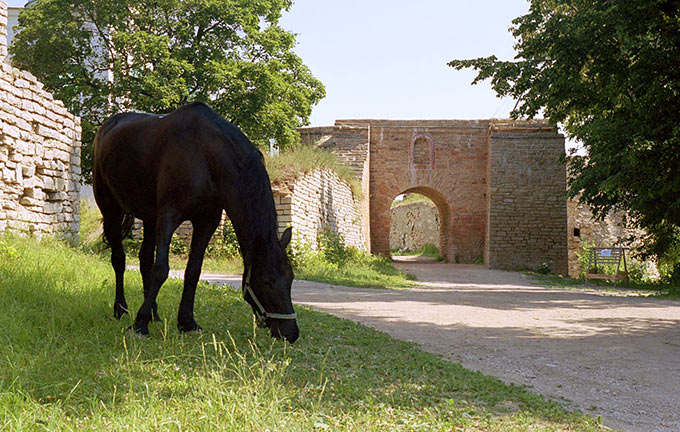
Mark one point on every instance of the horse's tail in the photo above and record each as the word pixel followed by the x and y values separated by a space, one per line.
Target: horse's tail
pixel 126 226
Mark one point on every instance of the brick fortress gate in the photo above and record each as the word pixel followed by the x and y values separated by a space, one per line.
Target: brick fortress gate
pixel 499 185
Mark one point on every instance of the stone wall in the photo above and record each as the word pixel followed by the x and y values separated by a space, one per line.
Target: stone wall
pixel 319 201
pixel 583 227
pixel 413 225
pixel 527 214
pixel 39 154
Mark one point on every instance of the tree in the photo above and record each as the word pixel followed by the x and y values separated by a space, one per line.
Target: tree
pixel 608 71
pixel 106 56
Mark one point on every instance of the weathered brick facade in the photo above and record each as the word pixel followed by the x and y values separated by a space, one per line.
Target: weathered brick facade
pixel 39 154
pixel 499 186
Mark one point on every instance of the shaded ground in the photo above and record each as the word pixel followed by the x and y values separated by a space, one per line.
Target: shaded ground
pixel 608 355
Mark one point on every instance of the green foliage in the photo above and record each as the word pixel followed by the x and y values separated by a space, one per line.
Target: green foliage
pixel 412 198
pixel 544 269
pixel 110 56
pixel 336 263
pixel 91 232
pixel 225 246
pixel 299 160
pixel 432 251
pixel 607 72
pixel 65 366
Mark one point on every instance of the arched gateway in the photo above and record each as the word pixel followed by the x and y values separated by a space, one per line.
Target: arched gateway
pixel 499 185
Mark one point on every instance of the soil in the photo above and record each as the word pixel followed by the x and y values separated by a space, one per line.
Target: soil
pixel 611 354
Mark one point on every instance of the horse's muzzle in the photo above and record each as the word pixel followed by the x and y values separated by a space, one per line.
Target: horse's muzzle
pixel 284 329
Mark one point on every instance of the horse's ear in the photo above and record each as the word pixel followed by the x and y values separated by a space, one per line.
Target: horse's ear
pixel 285 237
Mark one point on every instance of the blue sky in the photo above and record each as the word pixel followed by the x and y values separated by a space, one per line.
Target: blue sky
pixel 387 58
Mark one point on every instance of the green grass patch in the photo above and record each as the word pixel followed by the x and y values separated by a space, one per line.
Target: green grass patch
pixel 294 162
pixel 411 198
pixel 648 288
pixel 66 365
pixel 429 250
pixel 362 271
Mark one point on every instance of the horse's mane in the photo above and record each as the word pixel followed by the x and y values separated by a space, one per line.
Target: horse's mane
pixel 252 182
pixel 256 198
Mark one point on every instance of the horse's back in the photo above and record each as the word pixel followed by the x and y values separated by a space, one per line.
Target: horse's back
pixel 147 162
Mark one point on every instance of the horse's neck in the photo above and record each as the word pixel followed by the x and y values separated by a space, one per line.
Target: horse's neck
pixel 247 230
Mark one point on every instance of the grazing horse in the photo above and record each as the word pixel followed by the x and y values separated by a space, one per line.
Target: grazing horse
pixel 190 165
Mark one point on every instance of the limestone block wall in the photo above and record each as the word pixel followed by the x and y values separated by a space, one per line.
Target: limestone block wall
pixel 527 214
pixel 413 225
pixel 583 227
pixel 39 154
pixel 318 201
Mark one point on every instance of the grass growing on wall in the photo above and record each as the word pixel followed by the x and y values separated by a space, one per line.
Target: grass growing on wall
pixel 294 162
pixel 66 365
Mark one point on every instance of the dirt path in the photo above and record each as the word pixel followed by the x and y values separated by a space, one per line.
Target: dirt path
pixel 607 355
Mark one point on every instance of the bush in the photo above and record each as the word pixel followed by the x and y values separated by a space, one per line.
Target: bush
pixel 226 246
pixel 335 262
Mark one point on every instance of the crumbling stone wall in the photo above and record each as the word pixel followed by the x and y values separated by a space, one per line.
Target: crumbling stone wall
pixel 583 227
pixel 413 225
pixel 319 201
pixel 39 154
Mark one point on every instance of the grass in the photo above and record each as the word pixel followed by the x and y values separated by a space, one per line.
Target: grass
pixel 292 163
pixel 364 271
pixel 652 288
pixel 412 198
pixel 66 365
pixel 428 250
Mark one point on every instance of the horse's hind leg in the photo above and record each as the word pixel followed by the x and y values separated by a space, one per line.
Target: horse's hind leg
pixel 203 231
pixel 166 225
pixel 146 259
pixel 112 232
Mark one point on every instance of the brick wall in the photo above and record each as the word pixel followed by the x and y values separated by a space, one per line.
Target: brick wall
pixel 498 186
pixel 39 154
pixel 454 178
pixel 318 201
pixel 527 215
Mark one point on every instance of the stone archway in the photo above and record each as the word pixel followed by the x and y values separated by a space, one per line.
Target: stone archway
pixel 444 213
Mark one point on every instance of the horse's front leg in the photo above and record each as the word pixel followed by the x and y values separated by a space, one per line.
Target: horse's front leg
pixel 203 231
pixel 166 225
pixel 146 260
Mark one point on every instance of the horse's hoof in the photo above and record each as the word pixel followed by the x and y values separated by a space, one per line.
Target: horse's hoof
pixel 119 311
pixel 189 327
pixel 141 332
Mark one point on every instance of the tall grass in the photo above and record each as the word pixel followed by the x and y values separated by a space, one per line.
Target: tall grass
pixel 66 365
pixel 299 160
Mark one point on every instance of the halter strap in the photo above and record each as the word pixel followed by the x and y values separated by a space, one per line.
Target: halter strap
pixel 247 289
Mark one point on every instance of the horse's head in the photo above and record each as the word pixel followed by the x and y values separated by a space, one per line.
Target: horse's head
pixel 266 287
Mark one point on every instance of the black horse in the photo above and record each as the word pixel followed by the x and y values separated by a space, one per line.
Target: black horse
pixel 190 165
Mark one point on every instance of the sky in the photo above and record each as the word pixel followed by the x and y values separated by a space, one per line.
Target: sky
pixel 386 59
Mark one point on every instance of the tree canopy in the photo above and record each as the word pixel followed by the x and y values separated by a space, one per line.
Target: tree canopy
pixel 608 71
pixel 107 56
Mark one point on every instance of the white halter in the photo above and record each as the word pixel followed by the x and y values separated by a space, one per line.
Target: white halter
pixel 263 313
